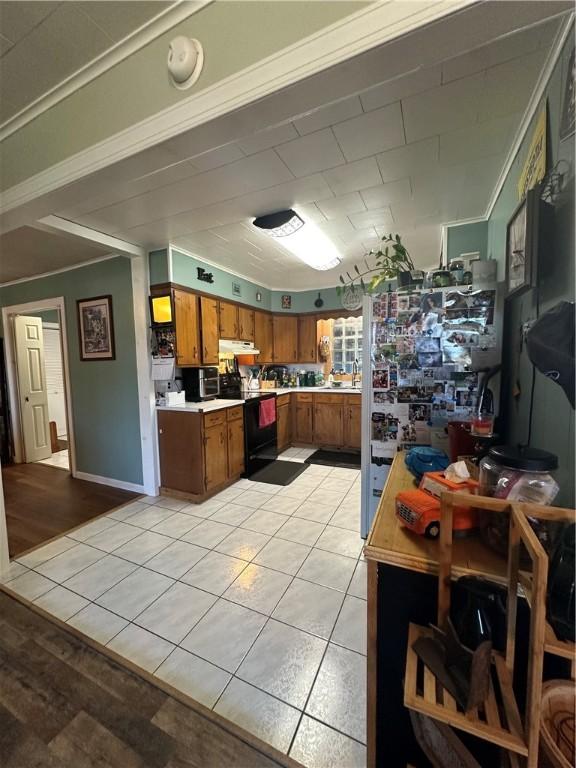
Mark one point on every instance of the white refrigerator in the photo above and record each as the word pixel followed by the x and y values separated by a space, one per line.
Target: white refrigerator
pixel 423 354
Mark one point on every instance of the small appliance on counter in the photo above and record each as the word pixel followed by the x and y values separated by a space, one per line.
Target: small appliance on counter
pixel 170 398
pixel 201 383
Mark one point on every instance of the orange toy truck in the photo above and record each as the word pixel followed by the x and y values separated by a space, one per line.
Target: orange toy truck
pixel 419 510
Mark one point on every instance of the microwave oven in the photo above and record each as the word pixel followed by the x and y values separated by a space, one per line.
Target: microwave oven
pixel 201 383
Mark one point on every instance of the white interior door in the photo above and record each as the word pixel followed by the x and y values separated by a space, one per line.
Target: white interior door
pixel 55 379
pixel 32 390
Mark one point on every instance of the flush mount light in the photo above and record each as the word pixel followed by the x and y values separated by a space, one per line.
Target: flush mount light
pixel 301 238
pixel 280 224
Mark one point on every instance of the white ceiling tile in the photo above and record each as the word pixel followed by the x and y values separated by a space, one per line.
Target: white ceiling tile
pixel 492 137
pixel 5 44
pixel 357 236
pixel 266 139
pixel 217 157
pixel 420 157
pixel 242 177
pixel 232 232
pixel 310 154
pixel 384 194
pixel 330 115
pixel 401 88
pixel 336 227
pixel 376 218
pixel 335 207
pixel 121 17
pixel 442 109
pixel 374 132
pixel 508 87
pixel 310 212
pixel 353 176
pixel 30 68
pixel 19 19
pixel 507 48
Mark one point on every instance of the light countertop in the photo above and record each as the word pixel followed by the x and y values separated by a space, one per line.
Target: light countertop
pixel 318 390
pixel 206 407
pixel 218 404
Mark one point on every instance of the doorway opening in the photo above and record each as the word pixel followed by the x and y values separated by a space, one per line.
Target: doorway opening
pixel 39 412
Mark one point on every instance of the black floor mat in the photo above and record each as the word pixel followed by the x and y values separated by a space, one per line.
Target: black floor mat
pixel 279 472
pixel 345 459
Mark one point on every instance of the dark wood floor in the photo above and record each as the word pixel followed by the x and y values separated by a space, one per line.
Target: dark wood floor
pixel 43 502
pixel 63 704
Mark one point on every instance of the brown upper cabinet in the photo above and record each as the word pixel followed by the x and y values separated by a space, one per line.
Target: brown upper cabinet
pixel 307 345
pixel 285 339
pixel 246 324
pixel 209 330
pixel 228 320
pixel 263 337
pixel 187 323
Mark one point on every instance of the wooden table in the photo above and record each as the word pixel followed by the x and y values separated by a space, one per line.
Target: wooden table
pixel 402 587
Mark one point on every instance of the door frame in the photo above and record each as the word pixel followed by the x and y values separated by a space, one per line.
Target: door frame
pixel 11 371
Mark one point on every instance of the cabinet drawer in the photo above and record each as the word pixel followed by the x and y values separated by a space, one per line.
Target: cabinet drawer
pixel 339 399
pixel 235 413
pixel 304 397
pixel 282 400
pixel 353 400
pixel 214 419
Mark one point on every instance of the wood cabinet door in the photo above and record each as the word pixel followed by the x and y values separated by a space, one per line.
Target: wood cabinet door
pixel 307 345
pixel 284 434
pixel 352 426
pixel 246 324
pixel 263 334
pixel 180 449
pixel 328 424
pixel 209 329
pixel 228 320
pixel 235 448
pixel 186 320
pixel 303 423
pixel 285 339
pixel 215 455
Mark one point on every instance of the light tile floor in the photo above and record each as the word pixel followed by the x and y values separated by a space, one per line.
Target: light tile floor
pixel 60 459
pixel 253 603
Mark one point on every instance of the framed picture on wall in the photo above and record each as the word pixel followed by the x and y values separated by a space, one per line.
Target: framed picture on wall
pixel 286 301
pixel 517 256
pixel 96 328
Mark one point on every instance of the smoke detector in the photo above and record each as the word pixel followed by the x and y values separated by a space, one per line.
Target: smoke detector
pixel 185 61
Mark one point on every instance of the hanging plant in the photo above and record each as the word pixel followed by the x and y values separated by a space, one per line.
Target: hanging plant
pixel 390 263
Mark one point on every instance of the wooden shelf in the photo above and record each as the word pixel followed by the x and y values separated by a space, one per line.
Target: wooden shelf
pixel 563 648
pixel 498 720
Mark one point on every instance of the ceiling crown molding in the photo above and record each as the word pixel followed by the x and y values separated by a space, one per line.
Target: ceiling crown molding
pixel 145 34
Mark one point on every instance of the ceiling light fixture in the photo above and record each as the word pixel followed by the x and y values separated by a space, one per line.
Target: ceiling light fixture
pixel 304 239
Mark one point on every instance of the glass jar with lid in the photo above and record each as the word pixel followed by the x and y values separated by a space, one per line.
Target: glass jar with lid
pixel 516 474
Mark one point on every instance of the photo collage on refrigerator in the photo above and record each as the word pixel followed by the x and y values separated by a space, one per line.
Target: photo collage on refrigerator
pixel 422 350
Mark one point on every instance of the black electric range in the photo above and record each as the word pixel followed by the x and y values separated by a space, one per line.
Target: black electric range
pixel 260 443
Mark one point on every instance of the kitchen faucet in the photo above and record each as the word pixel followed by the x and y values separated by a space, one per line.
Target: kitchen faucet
pixel 354 372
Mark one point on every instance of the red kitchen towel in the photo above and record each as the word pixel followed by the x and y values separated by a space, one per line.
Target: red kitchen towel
pixel 267 413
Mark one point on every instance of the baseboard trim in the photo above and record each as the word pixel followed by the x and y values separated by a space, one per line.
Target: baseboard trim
pixel 124 486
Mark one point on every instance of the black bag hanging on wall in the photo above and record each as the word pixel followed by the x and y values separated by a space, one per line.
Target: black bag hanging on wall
pixel 550 344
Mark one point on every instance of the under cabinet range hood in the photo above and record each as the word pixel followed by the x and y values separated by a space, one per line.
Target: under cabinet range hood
pixel 237 347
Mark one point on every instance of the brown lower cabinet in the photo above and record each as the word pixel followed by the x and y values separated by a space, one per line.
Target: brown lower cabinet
pixel 200 453
pixel 303 418
pixel 329 420
pixel 284 418
pixel 353 423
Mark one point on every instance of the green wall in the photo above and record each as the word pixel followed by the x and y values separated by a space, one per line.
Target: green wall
pixel 467 238
pixel 104 393
pixel 553 418
pixel 234 35
pixel 184 272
